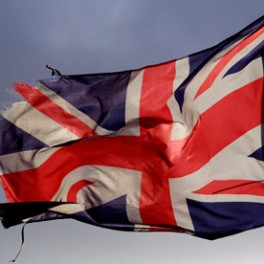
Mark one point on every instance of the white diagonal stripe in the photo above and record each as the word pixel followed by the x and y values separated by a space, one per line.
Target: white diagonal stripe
pixel 32 121
pixel 73 110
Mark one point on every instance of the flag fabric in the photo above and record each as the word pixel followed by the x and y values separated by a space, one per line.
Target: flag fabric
pixel 174 147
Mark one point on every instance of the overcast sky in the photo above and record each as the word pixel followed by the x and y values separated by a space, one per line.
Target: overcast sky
pixel 104 36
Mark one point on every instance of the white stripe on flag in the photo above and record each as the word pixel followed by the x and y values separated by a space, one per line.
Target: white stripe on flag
pixel 26 117
pixel 25 160
pixel 73 110
pixel 133 105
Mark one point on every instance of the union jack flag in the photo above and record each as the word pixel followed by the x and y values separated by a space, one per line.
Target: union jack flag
pixel 171 147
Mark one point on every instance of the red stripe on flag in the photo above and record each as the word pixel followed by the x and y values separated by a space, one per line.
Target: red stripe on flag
pixel 157 88
pixel 233 187
pixel 47 107
pixel 219 126
pixel 156 128
pixel 224 61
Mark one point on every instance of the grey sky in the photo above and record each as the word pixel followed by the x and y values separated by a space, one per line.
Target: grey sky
pixel 104 36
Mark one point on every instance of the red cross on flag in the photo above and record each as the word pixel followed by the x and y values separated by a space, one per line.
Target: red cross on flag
pixel 171 147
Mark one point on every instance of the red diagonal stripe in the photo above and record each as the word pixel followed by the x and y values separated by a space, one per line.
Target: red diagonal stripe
pixel 224 61
pixel 47 107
